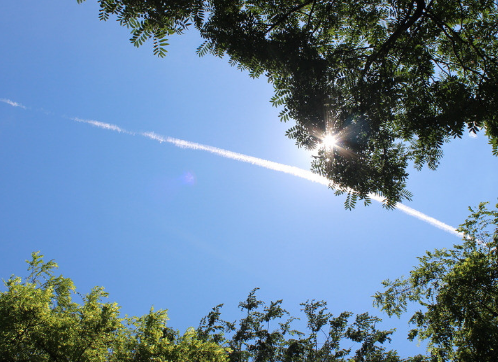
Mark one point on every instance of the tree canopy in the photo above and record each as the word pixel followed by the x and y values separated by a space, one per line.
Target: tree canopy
pixel 457 290
pixel 39 321
pixel 266 334
pixel 392 81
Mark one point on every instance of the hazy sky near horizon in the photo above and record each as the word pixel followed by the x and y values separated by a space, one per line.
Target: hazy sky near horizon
pixel 179 228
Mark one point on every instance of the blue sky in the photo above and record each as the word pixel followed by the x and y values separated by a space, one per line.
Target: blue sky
pixel 185 229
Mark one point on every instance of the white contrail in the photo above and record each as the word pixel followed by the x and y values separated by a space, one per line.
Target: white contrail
pixel 299 172
pixel 421 216
pixel 103 125
pixel 295 171
pixel 12 103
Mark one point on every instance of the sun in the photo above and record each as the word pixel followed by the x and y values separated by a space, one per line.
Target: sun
pixel 329 141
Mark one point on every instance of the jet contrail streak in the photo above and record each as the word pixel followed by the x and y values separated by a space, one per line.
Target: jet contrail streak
pixel 421 216
pixel 295 171
pixel 103 125
pixel 299 172
pixel 12 103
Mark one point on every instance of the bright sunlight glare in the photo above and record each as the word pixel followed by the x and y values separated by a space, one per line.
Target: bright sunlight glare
pixel 329 141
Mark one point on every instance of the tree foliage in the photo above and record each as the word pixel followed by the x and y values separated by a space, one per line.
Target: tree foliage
pixel 265 334
pixel 456 289
pixel 393 80
pixel 458 292
pixel 39 321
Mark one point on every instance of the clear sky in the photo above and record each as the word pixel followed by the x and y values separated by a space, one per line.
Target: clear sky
pixel 185 229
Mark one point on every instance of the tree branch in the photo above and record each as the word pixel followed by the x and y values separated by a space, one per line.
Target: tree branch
pixel 405 25
pixel 309 15
pixel 286 15
pixel 444 27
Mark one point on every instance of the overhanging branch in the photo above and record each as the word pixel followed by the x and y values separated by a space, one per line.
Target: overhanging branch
pixel 405 25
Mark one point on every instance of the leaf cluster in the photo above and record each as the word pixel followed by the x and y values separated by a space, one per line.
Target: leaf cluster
pixel 39 321
pixel 265 333
pixel 457 290
pixel 393 80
